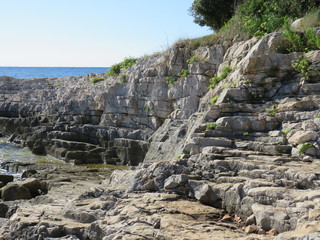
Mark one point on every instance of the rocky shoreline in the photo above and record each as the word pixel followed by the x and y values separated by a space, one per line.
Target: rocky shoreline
pixel 237 161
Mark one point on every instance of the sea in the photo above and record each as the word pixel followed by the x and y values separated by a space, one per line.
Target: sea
pixel 49 72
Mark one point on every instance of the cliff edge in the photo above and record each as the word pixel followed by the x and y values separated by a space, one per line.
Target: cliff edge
pixel 234 126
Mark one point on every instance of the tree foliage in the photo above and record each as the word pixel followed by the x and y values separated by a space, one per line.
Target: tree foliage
pixel 258 16
pixel 213 13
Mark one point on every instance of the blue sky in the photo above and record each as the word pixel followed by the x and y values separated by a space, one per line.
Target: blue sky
pixel 90 33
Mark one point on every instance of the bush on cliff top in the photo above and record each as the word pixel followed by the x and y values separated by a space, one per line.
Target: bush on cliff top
pixel 115 69
pixel 239 20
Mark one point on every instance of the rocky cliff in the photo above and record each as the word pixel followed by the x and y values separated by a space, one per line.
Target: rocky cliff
pixel 248 144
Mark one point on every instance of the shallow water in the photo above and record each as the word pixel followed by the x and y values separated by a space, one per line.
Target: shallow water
pixel 10 152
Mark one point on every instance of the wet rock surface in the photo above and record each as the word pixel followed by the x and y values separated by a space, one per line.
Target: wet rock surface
pixel 237 161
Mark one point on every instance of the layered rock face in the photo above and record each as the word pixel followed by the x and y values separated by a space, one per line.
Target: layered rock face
pixel 249 145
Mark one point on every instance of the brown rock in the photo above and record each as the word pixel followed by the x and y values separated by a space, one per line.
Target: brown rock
pixel 15 192
pixel 251 229
pixel 272 232
pixel 226 218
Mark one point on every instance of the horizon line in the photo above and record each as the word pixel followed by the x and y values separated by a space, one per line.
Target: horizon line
pixel 53 67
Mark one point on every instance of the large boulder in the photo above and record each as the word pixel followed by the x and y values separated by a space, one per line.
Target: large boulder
pixel 15 192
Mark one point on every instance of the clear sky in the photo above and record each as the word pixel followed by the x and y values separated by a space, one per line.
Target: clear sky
pixel 90 33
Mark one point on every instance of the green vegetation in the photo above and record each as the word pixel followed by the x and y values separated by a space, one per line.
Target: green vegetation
pixel 304 147
pixel 214 100
pixel 237 20
pixel 114 70
pixel 124 65
pixel 302 65
pixel 193 59
pixel 211 126
pixel 300 42
pixel 123 78
pixel 213 13
pixel 58 84
pixel 148 108
pixel 216 79
pixel 184 73
pixel 318 115
pixel 170 80
pixel 286 131
pixel 273 111
pixel 246 134
pixel 96 79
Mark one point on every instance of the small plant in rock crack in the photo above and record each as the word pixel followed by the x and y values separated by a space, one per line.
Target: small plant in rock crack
pixel 318 115
pixel 304 147
pixel 148 108
pixel 96 79
pixel 273 111
pixel 214 100
pixel 193 59
pixel 286 131
pixel 216 79
pixel 211 126
pixel 184 73
pixel 170 80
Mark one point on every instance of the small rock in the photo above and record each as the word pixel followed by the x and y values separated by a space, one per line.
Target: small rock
pixel 175 181
pixel 28 173
pixel 272 232
pixel 226 218
pixel 261 232
pixel 251 229
pixel 251 220
pixel 307 159
pixel 237 218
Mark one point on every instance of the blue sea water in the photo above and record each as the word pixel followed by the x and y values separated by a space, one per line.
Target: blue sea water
pixel 49 72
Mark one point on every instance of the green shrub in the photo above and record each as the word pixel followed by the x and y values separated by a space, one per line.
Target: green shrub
pixel 211 126
pixel 304 147
pixel 261 17
pixel 302 65
pixel 273 111
pixel 300 42
pixel 170 80
pixel 96 79
pixel 214 100
pixel 193 59
pixel 115 69
pixel 216 79
pixel 246 134
pixel 184 73
pixel 128 62
pixel 318 115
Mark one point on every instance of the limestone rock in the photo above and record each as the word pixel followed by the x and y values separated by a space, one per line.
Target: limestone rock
pixel 302 137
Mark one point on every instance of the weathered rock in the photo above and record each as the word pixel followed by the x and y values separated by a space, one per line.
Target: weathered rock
pixel 6 178
pixel 3 210
pixel 302 137
pixel 15 192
